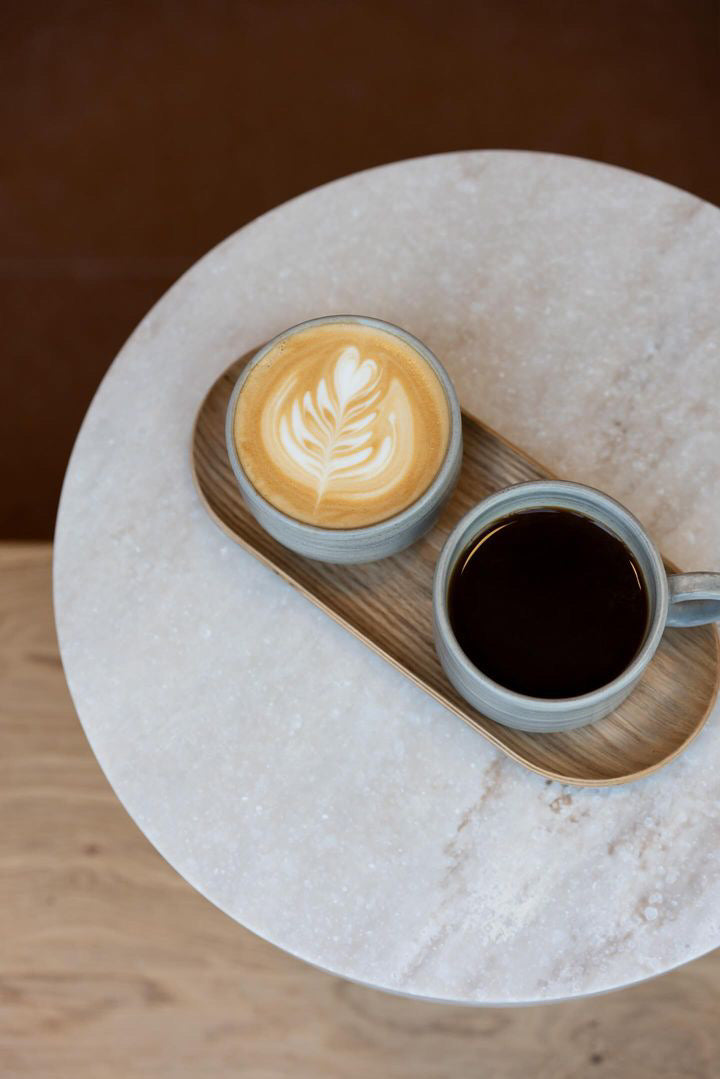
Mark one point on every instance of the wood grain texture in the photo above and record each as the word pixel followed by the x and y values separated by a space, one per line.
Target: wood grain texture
pixel 111 967
pixel 388 605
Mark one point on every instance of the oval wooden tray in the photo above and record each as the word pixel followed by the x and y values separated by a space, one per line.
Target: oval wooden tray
pixel 388 605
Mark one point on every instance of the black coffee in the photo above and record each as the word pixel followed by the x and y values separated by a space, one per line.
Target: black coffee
pixel 548 603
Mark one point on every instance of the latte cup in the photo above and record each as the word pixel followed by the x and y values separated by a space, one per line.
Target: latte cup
pixel 686 599
pixel 383 537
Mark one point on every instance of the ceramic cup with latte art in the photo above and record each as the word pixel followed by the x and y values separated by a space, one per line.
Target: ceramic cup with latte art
pixel 345 437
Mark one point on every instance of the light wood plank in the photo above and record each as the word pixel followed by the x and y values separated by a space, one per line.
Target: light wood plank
pixel 111 967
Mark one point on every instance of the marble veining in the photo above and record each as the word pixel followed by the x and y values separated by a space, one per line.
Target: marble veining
pixel 287 772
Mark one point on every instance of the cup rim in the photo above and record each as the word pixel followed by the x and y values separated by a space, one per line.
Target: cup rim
pixel 389 525
pixel 457 541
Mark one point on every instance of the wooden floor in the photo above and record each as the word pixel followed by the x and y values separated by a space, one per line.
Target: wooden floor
pixel 111 967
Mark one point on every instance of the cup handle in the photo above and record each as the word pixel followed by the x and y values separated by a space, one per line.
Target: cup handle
pixel 694 599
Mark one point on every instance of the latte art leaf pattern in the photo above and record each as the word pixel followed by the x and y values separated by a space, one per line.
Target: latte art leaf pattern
pixel 345 431
pixel 341 425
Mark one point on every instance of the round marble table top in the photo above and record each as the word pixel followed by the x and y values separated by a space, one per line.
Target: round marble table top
pixel 291 775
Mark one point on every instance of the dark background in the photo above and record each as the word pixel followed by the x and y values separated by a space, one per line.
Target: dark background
pixel 137 135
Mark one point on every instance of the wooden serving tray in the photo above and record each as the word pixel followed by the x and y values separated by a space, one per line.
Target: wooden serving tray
pixel 388 605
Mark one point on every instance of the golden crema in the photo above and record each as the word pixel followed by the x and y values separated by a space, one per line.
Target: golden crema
pixel 341 425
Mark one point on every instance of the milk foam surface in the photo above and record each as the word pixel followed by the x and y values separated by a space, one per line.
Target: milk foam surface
pixel 341 425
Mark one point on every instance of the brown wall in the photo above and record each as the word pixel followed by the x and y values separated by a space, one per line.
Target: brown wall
pixel 137 135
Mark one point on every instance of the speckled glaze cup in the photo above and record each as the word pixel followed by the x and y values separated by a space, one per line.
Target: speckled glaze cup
pixel 370 542
pixel 684 599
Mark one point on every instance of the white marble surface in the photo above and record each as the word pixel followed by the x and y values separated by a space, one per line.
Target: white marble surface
pixel 288 773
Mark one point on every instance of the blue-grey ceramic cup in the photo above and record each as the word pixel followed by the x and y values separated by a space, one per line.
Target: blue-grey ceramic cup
pixel 687 599
pixel 371 542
